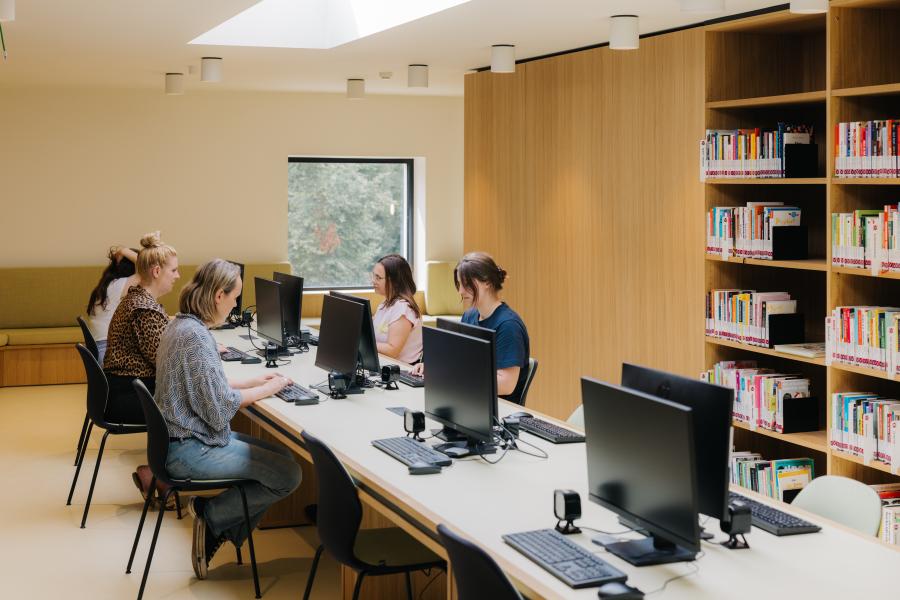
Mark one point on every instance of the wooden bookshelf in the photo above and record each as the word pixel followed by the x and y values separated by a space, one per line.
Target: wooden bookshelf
pixel 781 181
pixel 819 362
pixel 814 440
pixel 779 100
pixel 810 264
pixel 863 273
pixel 843 62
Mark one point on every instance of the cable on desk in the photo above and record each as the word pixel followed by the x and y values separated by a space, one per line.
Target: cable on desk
pixel 614 533
pixel 671 579
pixel 512 442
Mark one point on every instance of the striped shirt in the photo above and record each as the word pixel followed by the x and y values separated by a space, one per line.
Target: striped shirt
pixel 192 391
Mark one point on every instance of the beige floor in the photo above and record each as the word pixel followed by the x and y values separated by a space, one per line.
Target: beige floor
pixel 44 553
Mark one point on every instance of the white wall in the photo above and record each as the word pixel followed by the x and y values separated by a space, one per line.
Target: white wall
pixel 81 169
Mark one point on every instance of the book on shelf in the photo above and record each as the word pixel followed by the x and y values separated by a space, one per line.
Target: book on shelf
pixel 743 315
pixel 806 349
pixel 781 479
pixel 749 153
pixel 747 231
pixel 866 149
pixel 867 239
pixel 865 425
pixel 889 530
pixel 759 394
pixel 864 336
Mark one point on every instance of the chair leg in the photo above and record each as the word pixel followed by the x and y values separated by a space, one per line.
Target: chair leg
pixel 237 551
pixel 250 541
pixel 137 535
pixel 82 437
pixel 177 505
pixel 409 590
pixel 87 505
pixel 312 572
pixel 159 519
pixel 78 463
pixel 358 586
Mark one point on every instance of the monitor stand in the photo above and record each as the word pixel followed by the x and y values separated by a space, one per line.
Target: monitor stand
pixel 651 550
pixel 459 445
pixel 282 352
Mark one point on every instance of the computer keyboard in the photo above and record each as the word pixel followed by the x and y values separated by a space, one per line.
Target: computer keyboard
pixel 314 339
pixel 411 380
pixel 298 394
pixel 773 520
pixel 232 354
pixel 409 451
pixel 564 559
pixel 549 431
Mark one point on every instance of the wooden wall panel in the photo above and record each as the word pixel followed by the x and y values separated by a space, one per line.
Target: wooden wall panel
pixel 586 164
pixel 40 365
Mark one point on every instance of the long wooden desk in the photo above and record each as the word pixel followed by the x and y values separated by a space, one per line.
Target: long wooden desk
pixel 483 501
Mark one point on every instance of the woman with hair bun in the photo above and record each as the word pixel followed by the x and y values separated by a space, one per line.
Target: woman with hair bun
pixel 479 280
pixel 136 327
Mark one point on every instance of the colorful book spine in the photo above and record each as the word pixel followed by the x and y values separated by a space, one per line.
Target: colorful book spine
pixel 748 153
pixel 866 149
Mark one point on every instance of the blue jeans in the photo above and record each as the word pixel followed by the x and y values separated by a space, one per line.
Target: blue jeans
pixel 101 351
pixel 245 457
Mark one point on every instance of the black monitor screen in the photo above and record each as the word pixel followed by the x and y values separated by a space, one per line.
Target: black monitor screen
pixel 462 383
pixel 368 349
pixel 712 405
pixel 640 458
pixel 291 301
pixel 268 311
pixel 339 335
pixel 236 311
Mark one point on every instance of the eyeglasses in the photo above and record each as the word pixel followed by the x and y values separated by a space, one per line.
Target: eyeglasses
pixel 377 277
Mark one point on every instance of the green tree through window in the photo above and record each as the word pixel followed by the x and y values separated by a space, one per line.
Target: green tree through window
pixel 343 215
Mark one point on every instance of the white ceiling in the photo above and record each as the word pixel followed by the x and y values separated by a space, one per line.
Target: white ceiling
pixel 132 43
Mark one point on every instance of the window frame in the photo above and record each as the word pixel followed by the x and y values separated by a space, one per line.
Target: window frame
pixel 410 200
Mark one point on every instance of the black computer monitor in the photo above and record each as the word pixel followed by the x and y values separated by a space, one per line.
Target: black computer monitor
pixel 640 459
pixel 712 406
pixel 291 301
pixel 482 333
pixel 461 393
pixel 368 349
pixel 339 335
pixel 269 323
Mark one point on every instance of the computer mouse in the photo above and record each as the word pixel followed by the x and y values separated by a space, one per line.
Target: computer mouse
pixel 520 415
pixel 423 468
pixel 251 360
pixel 619 591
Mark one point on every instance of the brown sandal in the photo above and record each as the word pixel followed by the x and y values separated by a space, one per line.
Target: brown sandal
pixel 142 478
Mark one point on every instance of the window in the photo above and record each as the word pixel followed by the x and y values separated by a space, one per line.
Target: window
pixel 346 213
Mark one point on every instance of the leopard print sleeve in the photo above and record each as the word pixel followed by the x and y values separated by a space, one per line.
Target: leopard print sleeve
pixel 148 327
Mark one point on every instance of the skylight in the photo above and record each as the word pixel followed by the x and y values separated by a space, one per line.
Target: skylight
pixel 317 23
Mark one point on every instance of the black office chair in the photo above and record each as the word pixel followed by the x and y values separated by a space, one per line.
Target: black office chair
pixel 476 574
pixel 91 345
pixel 369 552
pixel 97 398
pixel 157 456
pixel 532 369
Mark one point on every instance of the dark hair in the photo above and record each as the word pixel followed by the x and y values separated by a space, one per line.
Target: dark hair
pixel 116 269
pixel 478 266
pixel 399 282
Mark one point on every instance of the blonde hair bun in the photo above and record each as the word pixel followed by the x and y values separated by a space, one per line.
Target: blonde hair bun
pixel 151 240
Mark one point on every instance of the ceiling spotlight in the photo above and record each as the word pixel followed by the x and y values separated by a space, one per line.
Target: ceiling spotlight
pixel 503 58
pixel 174 84
pixel 702 6
pixel 623 32
pixel 211 69
pixel 356 88
pixel 809 7
pixel 7 10
pixel 417 76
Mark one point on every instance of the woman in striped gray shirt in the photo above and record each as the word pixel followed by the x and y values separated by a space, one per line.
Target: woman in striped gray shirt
pixel 198 403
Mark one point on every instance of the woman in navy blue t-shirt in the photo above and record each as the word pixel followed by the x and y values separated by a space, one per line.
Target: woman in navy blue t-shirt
pixel 479 281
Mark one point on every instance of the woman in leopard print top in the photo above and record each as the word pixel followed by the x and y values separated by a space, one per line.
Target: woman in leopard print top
pixel 135 329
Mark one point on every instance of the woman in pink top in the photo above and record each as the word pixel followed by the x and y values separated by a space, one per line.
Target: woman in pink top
pixel 398 320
